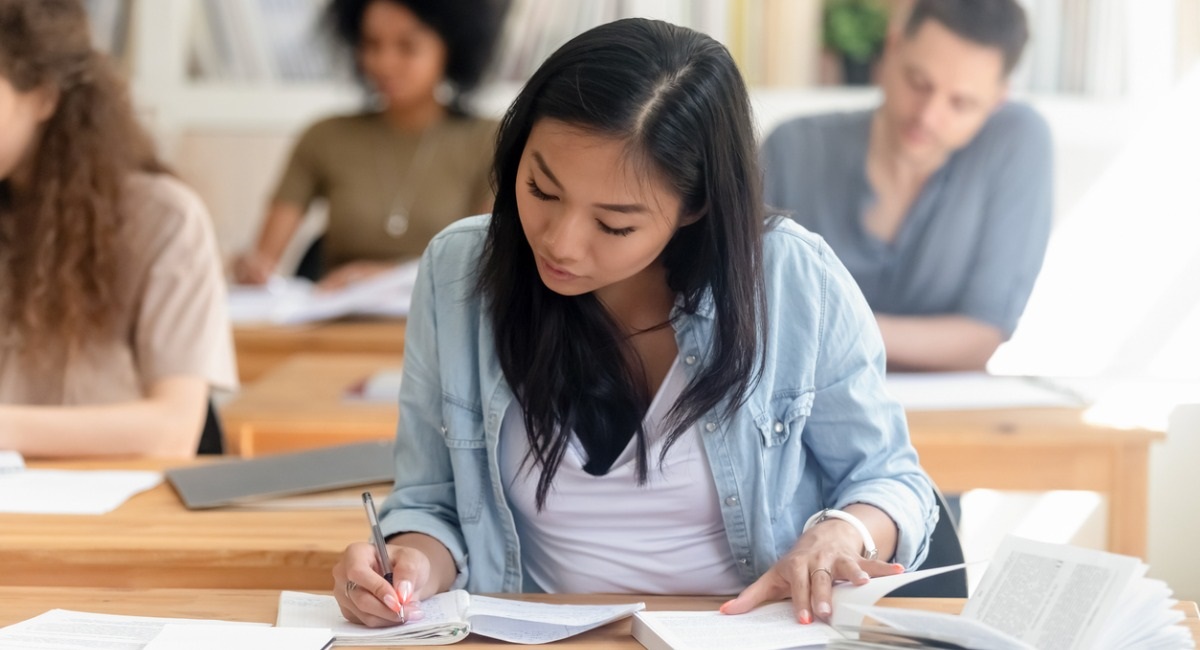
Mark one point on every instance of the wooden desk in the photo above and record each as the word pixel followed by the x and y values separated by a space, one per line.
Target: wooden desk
pixel 18 604
pixel 301 405
pixel 262 347
pixel 153 541
pixel 1041 449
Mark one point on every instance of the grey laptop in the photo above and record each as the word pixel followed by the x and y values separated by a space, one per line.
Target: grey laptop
pixel 237 482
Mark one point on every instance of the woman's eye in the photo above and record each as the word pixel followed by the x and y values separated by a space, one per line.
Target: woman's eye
pixel 620 232
pixel 538 193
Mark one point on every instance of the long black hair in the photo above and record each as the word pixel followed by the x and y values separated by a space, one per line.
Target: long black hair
pixel 676 98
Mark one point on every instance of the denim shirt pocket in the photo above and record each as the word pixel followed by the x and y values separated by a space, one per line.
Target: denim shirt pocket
pixel 466 440
pixel 783 456
pixel 784 415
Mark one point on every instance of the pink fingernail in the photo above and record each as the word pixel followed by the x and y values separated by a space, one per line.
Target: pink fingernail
pixel 805 617
pixel 391 602
pixel 823 609
pixel 405 590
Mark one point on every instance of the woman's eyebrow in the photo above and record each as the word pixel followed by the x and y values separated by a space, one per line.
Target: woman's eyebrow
pixel 623 208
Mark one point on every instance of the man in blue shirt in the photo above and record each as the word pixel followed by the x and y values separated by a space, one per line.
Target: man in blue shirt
pixel 939 201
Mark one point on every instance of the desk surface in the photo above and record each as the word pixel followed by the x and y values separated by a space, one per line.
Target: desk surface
pixel 153 541
pixel 301 405
pixel 261 348
pixel 18 604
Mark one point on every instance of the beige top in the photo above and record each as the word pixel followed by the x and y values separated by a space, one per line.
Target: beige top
pixel 173 318
pixel 369 171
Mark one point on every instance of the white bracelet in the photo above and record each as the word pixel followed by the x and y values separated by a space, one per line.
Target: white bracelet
pixel 869 550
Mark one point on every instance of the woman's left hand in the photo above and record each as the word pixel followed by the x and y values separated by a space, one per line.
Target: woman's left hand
pixel 826 553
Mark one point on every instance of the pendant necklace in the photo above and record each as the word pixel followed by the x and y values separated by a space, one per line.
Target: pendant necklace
pixel 398 215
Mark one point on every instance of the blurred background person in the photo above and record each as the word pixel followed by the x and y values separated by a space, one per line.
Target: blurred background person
pixel 397 173
pixel 113 304
pixel 940 200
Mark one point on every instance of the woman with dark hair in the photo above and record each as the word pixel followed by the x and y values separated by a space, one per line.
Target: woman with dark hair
pixel 398 173
pixel 623 381
pixel 114 323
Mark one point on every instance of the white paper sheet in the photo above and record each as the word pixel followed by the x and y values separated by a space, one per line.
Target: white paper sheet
pixel 176 636
pixel 71 492
pixel 289 301
pixel 960 391
pixel 11 461
pixel 61 629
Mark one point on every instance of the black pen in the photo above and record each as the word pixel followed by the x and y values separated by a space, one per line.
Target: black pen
pixel 385 564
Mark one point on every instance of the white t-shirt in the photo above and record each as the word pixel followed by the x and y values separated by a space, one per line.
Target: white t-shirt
pixel 607 534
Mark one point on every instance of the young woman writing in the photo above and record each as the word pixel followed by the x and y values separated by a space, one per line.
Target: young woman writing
pixel 625 379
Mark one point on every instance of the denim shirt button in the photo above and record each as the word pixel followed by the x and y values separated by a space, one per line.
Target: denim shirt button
pixel 711 426
pixel 778 427
pixel 690 359
pixel 744 561
pixel 443 429
pixel 731 501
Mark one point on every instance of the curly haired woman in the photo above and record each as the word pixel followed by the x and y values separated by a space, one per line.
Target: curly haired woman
pixel 113 306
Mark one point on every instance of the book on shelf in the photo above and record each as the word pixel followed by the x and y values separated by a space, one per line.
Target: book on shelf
pixel 1034 595
pixel 292 301
pixel 449 617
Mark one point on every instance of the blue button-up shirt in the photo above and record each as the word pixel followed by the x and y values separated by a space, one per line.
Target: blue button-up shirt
pixel 818 430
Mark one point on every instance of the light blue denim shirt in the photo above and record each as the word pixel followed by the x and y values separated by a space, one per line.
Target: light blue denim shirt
pixel 818 430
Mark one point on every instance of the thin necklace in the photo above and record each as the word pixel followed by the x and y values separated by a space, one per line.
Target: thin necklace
pixel 399 210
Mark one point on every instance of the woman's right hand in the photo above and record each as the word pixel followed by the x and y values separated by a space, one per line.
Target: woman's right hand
pixel 252 267
pixel 366 598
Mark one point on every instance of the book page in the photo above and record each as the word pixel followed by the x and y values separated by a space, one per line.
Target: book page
pixel 1051 596
pixel 942 626
pixel 771 627
pixel 71 492
pixel 61 629
pixel 518 621
pixel 845 593
pixel 443 618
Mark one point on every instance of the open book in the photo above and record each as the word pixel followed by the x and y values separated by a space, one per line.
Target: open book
pixel 1053 597
pixel 451 616
pixel 771 627
pixel 291 301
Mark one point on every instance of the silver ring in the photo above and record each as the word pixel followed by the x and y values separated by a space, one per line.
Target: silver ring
pixel 818 570
pixel 350 586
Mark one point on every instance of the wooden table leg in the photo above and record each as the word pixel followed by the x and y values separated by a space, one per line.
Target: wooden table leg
pixel 1128 500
